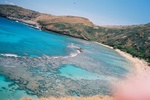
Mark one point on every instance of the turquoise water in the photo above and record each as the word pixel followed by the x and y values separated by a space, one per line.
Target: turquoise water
pixel 17 38
pixel 75 73
pixel 46 53
pixel 10 91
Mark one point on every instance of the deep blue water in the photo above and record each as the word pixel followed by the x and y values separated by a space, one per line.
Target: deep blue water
pixel 94 62
pixel 20 39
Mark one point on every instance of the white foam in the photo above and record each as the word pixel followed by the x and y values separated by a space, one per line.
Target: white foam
pixel 78 51
pixel 75 54
pixel 56 57
pixel 9 55
pixel 73 46
pixel 71 55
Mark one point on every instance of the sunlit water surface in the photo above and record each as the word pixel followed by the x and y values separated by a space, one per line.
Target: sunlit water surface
pixel 75 59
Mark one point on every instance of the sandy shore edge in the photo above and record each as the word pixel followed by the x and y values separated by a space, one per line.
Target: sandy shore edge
pixel 137 63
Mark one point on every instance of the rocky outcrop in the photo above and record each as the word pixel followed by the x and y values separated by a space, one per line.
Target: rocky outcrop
pixel 11 11
pixel 45 21
pixel 132 39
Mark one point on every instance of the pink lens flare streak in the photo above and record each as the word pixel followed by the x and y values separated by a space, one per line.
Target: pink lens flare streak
pixel 135 87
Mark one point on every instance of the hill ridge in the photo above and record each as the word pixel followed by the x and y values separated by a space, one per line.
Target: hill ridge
pixel 133 39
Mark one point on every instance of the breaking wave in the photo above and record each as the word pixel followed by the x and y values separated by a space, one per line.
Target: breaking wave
pixel 76 51
pixel 9 55
pixel 72 45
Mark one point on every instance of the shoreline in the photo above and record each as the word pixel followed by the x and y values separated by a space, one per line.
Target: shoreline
pixel 139 64
pixel 96 97
pixel 30 23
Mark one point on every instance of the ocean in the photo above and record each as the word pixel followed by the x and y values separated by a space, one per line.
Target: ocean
pixel 35 63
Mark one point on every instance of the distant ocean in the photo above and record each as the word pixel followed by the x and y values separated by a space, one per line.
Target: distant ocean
pixel 26 52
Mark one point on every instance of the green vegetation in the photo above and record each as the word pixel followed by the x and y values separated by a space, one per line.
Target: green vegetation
pixel 131 39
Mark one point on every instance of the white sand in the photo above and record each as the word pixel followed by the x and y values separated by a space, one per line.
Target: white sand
pixel 138 64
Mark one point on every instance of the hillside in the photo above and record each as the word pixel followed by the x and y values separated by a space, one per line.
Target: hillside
pixel 132 39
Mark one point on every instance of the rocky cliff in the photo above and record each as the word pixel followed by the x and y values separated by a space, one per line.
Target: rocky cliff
pixel 69 25
pixel 132 39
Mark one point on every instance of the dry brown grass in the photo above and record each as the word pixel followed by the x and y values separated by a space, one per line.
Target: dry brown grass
pixel 75 98
pixel 63 19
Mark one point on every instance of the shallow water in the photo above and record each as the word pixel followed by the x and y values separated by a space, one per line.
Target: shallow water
pixel 10 91
pixel 76 73
pixel 51 60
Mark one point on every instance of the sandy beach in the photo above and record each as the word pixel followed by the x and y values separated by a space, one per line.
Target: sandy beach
pixel 75 98
pixel 139 64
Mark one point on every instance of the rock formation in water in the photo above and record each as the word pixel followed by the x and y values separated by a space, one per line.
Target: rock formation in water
pixel 133 39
